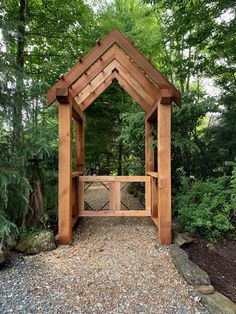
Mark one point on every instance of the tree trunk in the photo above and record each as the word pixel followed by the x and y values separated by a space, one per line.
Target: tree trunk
pixel 19 95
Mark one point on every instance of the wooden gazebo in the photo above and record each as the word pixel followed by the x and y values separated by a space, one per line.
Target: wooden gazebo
pixel 114 57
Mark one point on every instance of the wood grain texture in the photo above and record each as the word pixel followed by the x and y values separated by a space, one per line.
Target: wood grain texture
pixel 114 196
pixel 149 150
pixel 96 93
pixel 97 52
pixel 113 178
pixel 164 172
pixel 129 89
pixel 118 213
pixel 79 151
pixel 148 195
pixel 154 182
pixel 65 178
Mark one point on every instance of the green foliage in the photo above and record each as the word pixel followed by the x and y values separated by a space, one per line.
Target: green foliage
pixel 188 41
pixel 205 207
pixel 24 233
pixel 7 228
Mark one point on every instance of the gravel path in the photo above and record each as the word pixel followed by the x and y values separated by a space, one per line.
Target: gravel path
pixel 115 265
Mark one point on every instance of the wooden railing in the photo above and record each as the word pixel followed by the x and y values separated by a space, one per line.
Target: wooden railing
pixel 114 183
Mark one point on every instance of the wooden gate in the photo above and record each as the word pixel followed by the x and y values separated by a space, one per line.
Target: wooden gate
pixel 114 184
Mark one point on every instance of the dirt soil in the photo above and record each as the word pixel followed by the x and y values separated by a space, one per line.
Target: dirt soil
pixel 219 261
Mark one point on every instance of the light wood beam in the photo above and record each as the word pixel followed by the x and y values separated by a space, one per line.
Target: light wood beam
pixel 96 93
pixel 128 88
pixel 164 172
pixel 149 150
pixel 113 37
pixel 64 177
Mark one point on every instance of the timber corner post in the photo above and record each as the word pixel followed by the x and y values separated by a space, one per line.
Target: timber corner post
pixel 114 58
pixel 164 112
pixel 64 166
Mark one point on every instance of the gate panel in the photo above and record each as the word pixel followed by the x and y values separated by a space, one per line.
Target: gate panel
pixel 114 184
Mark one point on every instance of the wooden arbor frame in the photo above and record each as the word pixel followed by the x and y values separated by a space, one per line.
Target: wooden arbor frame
pixel 114 57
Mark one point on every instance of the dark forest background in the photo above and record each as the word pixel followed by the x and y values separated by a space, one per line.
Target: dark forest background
pixel 192 42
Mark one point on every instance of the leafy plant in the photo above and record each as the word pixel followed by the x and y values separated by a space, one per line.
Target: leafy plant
pixel 205 207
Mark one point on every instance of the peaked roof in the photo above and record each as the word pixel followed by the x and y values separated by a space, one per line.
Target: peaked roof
pixel 114 53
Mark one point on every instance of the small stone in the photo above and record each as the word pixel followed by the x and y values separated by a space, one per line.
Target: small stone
pixel 217 303
pixel 191 272
pixel 205 289
pixel 182 238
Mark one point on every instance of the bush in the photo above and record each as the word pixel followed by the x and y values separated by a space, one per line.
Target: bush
pixel 7 229
pixel 206 208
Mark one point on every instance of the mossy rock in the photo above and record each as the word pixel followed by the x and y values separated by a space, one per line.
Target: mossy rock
pixel 37 242
pixel 3 256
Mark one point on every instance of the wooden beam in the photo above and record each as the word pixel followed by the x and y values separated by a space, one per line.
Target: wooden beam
pixel 131 70
pixel 81 198
pixel 149 150
pixel 137 73
pixel 113 178
pixel 79 141
pixel 113 37
pixel 130 83
pixel 100 78
pixel 96 93
pixel 148 195
pixel 136 96
pixel 77 113
pixel 167 96
pixel 145 65
pixel 132 80
pixel 152 174
pixel 62 95
pixel 117 213
pixel 93 71
pixel 114 195
pixel 64 175
pixel 164 172
pixel 154 182
pixel 152 114
pixel 75 209
pixel 82 65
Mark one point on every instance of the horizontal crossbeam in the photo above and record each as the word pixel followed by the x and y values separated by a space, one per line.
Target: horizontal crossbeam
pixel 114 178
pixel 115 213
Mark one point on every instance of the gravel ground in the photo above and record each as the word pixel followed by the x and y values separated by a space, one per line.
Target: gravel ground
pixel 115 265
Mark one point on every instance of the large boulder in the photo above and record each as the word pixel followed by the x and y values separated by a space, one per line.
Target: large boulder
pixel 37 242
pixel 192 273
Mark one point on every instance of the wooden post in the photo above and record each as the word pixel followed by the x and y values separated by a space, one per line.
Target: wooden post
pixel 154 197
pixel 148 194
pixel 149 151
pixel 164 170
pixel 65 176
pixel 114 196
pixel 79 163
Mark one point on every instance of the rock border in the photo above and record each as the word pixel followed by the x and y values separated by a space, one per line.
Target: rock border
pixel 214 302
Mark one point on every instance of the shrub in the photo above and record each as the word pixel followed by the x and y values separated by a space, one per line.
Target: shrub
pixel 206 207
